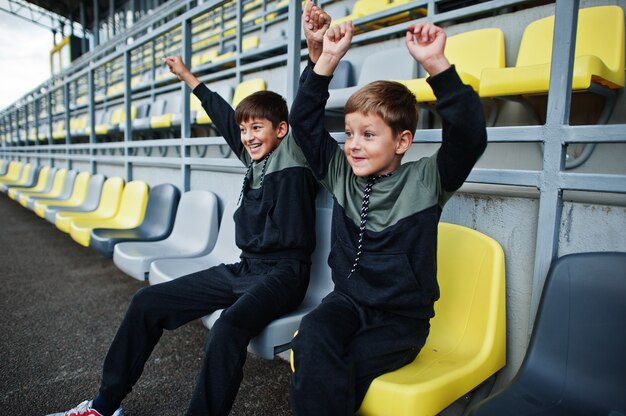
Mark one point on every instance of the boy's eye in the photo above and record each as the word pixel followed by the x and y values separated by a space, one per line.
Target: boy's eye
pixel 368 135
pixel 348 134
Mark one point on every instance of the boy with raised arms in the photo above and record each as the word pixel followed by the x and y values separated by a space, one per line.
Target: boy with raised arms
pixel 385 214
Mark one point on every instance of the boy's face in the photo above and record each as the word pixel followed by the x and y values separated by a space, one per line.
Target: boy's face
pixel 371 147
pixel 259 137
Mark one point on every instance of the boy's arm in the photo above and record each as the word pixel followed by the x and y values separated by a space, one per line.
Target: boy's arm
pixel 464 135
pixel 221 113
pixel 307 111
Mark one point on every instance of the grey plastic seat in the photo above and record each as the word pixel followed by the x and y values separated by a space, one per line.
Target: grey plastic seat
pixel 92 199
pixel 194 234
pixel 575 364
pixel 400 65
pixel 65 192
pixel 224 251
pixel 156 225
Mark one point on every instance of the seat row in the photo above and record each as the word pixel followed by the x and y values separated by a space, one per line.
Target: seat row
pixel 159 234
pixel 598 68
pixel 598 63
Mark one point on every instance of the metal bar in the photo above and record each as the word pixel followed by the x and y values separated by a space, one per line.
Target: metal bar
pixel 550 200
pixel 293 49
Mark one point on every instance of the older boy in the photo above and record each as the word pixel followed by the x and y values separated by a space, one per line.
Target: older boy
pixel 385 215
pixel 275 230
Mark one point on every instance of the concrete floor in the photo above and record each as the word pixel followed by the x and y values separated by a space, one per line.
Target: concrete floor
pixel 60 305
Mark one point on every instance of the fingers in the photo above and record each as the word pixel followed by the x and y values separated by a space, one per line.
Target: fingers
pixel 338 32
pixel 422 33
pixel 315 17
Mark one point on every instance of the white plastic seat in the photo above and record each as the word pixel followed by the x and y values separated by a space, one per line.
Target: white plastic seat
pixel 276 337
pixel 194 234
pixel 224 251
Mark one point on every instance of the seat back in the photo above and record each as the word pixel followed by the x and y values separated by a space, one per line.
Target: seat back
pixel 110 196
pixel 132 204
pixel 201 117
pixel 467 340
pixel 321 283
pixel 471 307
pixel 58 183
pixel 195 218
pixel 226 249
pixel 13 172
pixel 342 77
pixel 246 88
pixel 94 190
pixel 580 336
pixel 161 210
pixel 403 67
pixel 600 33
pixel 81 184
pixel 461 50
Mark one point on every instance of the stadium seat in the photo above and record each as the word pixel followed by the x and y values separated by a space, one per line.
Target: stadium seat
pixel 3 166
pixel 77 195
pixel 404 67
pixel 13 171
pixel 598 59
pixel 575 363
pixel 468 60
pixel 130 213
pixel 55 194
pixel 467 340
pixel 200 117
pixel 44 183
pixel 363 8
pixel 61 190
pixel 108 205
pixel 224 251
pixel 156 225
pixel 89 201
pixel 58 182
pixel 194 234
pixel 27 179
pixel 276 337
pixel 22 177
pixel 157 107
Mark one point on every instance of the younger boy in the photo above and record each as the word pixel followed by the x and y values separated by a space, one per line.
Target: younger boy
pixel 385 215
pixel 275 230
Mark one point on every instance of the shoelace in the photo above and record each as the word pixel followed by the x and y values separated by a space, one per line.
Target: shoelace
pixel 371 180
pixel 82 408
pixel 245 178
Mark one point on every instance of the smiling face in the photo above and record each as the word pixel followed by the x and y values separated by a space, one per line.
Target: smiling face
pixel 259 136
pixel 371 147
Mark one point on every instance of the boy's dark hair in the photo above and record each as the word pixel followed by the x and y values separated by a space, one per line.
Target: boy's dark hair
pixel 390 100
pixel 263 104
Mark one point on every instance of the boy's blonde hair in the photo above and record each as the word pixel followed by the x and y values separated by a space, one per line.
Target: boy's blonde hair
pixel 391 101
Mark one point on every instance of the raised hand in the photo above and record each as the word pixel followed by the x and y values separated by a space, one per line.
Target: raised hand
pixel 426 43
pixel 336 43
pixel 178 68
pixel 315 22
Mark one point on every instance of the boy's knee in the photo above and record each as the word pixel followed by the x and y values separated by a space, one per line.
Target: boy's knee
pixel 143 299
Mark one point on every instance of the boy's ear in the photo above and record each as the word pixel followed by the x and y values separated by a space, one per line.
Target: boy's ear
pixel 282 130
pixel 405 139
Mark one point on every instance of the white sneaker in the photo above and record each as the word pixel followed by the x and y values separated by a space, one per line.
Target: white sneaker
pixel 85 409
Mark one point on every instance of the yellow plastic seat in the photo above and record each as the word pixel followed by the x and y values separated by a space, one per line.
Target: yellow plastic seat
pixel 57 187
pixel 362 8
pixel 79 192
pixel 40 186
pixel 131 211
pixel 107 207
pixel 244 89
pixel 469 61
pixel 21 179
pixel 467 340
pixel 13 172
pixel 599 56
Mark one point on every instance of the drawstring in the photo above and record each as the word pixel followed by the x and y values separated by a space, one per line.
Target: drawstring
pixel 245 178
pixel 371 180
